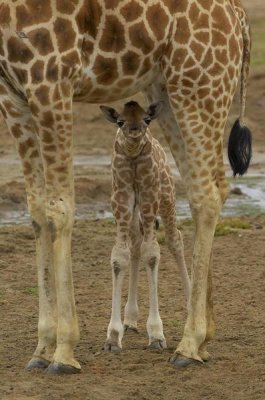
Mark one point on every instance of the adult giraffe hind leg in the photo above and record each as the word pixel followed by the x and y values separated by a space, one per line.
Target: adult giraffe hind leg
pixel 20 124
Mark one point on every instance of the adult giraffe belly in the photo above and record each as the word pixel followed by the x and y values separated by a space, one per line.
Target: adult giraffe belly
pixel 114 78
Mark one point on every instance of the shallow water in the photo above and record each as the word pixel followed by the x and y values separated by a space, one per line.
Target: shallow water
pixel 250 201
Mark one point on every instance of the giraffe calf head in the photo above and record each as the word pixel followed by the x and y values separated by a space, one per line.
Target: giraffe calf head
pixel 133 120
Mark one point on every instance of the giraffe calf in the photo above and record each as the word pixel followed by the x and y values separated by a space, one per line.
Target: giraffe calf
pixel 142 188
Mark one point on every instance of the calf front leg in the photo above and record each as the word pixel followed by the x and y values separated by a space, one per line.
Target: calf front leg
pixel 119 261
pixel 151 256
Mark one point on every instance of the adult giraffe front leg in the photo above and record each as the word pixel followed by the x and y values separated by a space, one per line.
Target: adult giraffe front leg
pixel 54 126
pixel 20 124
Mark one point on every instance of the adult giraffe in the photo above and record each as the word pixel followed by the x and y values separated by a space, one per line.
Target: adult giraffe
pixel 186 53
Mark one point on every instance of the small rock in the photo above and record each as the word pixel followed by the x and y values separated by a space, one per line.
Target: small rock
pixel 237 191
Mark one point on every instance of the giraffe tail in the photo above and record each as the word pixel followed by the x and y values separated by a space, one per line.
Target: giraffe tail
pixel 240 139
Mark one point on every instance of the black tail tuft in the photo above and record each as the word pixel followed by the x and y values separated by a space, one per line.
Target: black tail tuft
pixel 239 148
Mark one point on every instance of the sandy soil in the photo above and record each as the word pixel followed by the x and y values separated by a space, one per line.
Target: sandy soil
pixel 237 369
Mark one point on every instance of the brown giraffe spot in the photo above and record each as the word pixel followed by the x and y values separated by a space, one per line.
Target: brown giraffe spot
pixel 209 105
pixel 52 70
pixel 206 4
pixel 18 51
pixel 71 59
pixel 220 20
pixel 112 39
pixel 139 38
pixel 10 109
pixel 21 75
pixel 105 70
pixel 130 62
pixel 88 18
pixel 158 20
pixel 183 31
pixel 37 72
pixel 42 94
pixel 197 49
pixel 234 49
pixel 208 59
pixel 50 147
pixel 201 22
pixel 146 67
pixel 221 56
pixel 4 15
pixel 34 108
pixel 193 73
pixel 16 131
pixel 27 169
pixel 47 137
pixel 65 34
pixel 66 89
pixel 218 39
pixel 33 12
pixel 203 37
pixel 194 12
pixel 174 6
pixel 124 82
pixel 49 159
pixel 41 40
pixel 179 57
pixel 66 7
pixel 216 69
pixel 34 154
pixel 23 147
pixel 131 11
pixel 47 119
pixel 203 92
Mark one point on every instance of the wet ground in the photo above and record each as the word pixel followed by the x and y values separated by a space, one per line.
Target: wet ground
pixel 237 368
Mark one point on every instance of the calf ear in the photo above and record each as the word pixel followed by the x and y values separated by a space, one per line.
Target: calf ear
pixel 155 109
pixel 110 114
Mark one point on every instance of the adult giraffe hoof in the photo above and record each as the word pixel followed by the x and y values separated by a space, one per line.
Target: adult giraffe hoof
pixel 180 361
pixel 37 364
pixel 130 329
pixel 62 369
pixel 112 348
pixel 158 344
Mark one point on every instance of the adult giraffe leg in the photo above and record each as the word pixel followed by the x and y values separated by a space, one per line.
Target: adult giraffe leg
pixel 207 190
pixel 19 121
pixel 54 127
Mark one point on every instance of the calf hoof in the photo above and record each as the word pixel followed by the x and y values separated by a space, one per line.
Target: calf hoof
pixel 158 344
pixel 112 348
pixel 130 329
pixel 56 368
pixel 180 361
pixel 37 364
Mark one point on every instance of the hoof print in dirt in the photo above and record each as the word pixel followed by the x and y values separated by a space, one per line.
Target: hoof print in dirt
pixel 112 348
pixel 62 369
pixel 37 364
pixel 158 345
pixel 179 361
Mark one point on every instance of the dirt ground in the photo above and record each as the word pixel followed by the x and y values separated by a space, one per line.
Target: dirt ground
pixel 237 368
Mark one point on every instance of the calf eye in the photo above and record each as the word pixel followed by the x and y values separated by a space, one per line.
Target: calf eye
pixel 147 120
pixel 120 123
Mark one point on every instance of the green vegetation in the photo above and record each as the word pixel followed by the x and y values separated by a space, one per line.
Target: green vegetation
pixel 258 48
pixel 231 225
pixel 31 290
